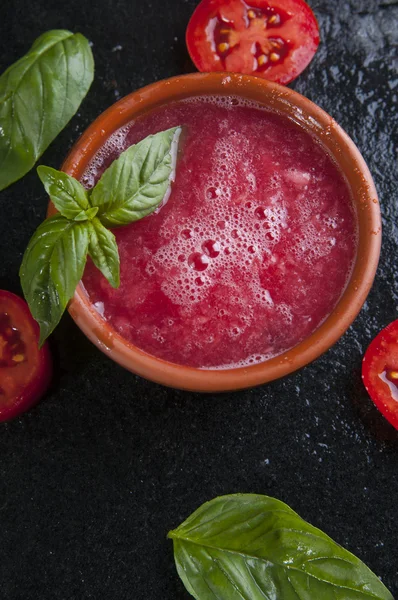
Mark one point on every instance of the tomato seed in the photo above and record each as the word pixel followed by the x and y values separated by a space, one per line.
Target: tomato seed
pixel 392 375
pixel 262 60
pixel 274 20
pixel 18 358
pixel 223 47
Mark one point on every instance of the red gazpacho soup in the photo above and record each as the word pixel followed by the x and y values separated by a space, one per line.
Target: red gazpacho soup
pixel 250 252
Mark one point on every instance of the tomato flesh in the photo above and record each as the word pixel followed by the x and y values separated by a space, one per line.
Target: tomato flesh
pixel 380 372
pixel 25 370
pixel 273 39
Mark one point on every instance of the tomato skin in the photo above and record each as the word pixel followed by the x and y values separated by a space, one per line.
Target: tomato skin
pixel 36 381
pixel 300 30
pixel 380 358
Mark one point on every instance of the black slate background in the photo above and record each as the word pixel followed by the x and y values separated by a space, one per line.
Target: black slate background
pixel 92 479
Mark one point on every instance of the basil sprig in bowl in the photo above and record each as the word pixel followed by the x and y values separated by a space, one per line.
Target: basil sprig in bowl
pixel 343 151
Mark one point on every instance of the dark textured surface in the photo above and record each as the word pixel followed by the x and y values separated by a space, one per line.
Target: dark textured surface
pixel 92 479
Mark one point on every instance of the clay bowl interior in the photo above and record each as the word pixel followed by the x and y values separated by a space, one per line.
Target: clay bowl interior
pixel 344 152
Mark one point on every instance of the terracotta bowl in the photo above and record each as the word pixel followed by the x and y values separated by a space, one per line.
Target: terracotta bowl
pixel 319 124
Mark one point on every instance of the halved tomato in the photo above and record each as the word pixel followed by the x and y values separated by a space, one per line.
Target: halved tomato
pixel 273 39
pixel 380 372
pixel 25 370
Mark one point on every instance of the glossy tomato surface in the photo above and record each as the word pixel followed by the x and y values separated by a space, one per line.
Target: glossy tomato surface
pixel 380 372
pixel 273 39
pixel 25 370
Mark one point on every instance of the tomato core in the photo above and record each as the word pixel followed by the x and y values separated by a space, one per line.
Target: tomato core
pixel 12 347
pixel 391 379
pixel 25 370
pixel 255 38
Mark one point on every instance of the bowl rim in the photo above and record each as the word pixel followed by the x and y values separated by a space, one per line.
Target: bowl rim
pixel 330 134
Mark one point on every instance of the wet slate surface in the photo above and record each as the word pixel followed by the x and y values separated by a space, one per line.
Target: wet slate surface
pixel 92 479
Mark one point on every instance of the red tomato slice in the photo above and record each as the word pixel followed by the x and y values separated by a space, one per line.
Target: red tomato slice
pixel 273 39
pixel 25 371
pixel 380 372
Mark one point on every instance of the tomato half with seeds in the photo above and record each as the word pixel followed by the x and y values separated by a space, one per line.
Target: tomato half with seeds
pixel 25 370
pixel 380 372
pixel 273 39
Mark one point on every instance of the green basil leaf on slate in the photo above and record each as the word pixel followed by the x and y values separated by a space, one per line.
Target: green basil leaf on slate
pixel 39 94
pixel 104 252
pixel 252 547
pixel 67 194
pixel 137 182
pixel 52 266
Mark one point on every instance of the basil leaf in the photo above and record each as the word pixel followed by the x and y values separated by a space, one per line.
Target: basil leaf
pixel 104 252
pixel 54 261
pixel 52 266
pixel 39 94
pixel 67 194
pixel 252 547
pixel 90 213
pixel 137 182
